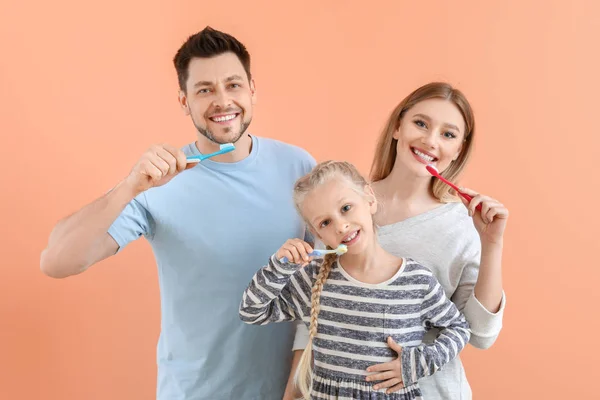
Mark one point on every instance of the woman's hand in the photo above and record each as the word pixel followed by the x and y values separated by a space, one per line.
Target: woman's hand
pixel 490 222
pixel 390 371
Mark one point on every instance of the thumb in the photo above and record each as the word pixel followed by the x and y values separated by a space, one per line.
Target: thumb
pixel 393 345
pixel 191 165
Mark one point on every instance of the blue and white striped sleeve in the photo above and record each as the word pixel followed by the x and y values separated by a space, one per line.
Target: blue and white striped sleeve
pixel 437 312
pixel 278 292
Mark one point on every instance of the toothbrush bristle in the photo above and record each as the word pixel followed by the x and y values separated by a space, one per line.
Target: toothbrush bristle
pixel 432 170
pixel 342 248
pixel 227 146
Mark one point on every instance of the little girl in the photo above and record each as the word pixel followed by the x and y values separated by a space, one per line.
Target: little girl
pixel 356 302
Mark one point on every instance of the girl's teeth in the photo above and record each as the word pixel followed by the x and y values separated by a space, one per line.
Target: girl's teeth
pixel 351 237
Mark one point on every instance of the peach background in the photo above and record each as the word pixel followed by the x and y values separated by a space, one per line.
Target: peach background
pixel 86 87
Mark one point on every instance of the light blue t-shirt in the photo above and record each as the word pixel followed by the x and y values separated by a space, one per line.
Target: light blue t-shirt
pixel 211 228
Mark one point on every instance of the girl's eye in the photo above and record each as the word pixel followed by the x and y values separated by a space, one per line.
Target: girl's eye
pixel 324 223
pixel 346 208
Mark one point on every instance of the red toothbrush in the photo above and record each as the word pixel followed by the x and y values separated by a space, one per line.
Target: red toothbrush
pixel 433 171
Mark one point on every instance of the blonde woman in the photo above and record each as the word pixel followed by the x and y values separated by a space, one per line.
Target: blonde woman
pixel 419 216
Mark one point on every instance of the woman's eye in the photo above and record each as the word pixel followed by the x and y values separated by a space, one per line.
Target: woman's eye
pixel 449 135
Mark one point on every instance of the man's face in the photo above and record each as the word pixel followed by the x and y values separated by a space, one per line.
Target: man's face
pixel 219 98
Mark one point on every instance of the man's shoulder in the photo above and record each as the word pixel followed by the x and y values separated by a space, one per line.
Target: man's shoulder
pixel 289 151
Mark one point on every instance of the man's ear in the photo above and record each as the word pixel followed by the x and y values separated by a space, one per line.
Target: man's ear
pixel 253 92
pixel 183 102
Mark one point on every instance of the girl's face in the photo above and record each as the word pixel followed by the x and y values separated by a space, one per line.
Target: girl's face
pixel 431 132
pixel 338 212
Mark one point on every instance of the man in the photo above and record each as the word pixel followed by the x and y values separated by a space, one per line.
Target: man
pixel 211 226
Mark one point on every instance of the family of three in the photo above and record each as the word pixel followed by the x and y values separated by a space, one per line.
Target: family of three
pixel 420 276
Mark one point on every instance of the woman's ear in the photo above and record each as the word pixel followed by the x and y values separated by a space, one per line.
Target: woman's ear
pixel 371 198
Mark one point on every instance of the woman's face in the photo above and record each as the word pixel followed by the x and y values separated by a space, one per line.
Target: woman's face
pixel 431 132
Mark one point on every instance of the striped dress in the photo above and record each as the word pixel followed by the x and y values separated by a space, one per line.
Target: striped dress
pixel 355 321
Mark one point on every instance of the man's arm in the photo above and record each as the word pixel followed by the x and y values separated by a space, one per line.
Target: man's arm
pixel 82 239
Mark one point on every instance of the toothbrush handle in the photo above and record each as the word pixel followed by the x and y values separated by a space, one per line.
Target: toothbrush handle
pixel 284 260
pixel 468 199
pixel 462 194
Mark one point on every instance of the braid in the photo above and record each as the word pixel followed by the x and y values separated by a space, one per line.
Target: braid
pixel 304 375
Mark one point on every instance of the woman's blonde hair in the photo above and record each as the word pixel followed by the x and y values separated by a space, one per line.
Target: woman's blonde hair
pixel 320 174
pixel 385 153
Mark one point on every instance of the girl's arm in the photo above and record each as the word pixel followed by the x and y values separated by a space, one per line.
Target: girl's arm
pixel 278 292
pixel 439 312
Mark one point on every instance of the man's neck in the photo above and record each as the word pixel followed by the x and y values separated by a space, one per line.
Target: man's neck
pixel 243 147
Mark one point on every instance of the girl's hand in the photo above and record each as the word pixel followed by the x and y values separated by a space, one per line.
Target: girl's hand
pixel 392 371
pixel 491 221
pixel 296 251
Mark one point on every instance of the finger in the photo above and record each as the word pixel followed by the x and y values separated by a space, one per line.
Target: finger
pixel 296 259
pixel 464 201
pixel 468 191
pixel 475 201
pixel 381 367
pixel 393 345
pixel 180 157
pixel 395 388
pixel 501 211
pixel 485 208
pixel 152 171
pixel 169 158
pixel 307 247
pixel 289 255
pixel 191 163
pixel 382 376
pixel 489 215
pixel 159 163
pixel 299 245
pixel 387 384
pixel 181 161
pixel 284 253
pixel 497 212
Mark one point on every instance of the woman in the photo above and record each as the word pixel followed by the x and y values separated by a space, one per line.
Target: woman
pixel 418 216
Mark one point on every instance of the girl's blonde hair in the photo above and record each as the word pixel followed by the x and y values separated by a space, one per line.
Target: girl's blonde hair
pixel 320 174
pixel 385 153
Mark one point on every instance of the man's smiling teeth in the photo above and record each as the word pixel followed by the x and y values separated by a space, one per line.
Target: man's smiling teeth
pixel 349 238
pixel 423 155
pixel 224 118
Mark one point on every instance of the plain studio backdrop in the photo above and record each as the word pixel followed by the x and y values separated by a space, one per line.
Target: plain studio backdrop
pixel 86 87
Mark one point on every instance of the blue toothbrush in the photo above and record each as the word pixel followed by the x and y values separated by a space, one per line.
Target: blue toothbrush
pixel 341 249
pixel 224 148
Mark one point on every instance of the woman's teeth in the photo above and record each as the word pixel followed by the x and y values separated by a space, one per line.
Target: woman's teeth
pixel 423 155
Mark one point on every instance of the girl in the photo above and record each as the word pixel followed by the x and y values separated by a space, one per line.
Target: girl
pixel 418 216
pixel 355 303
